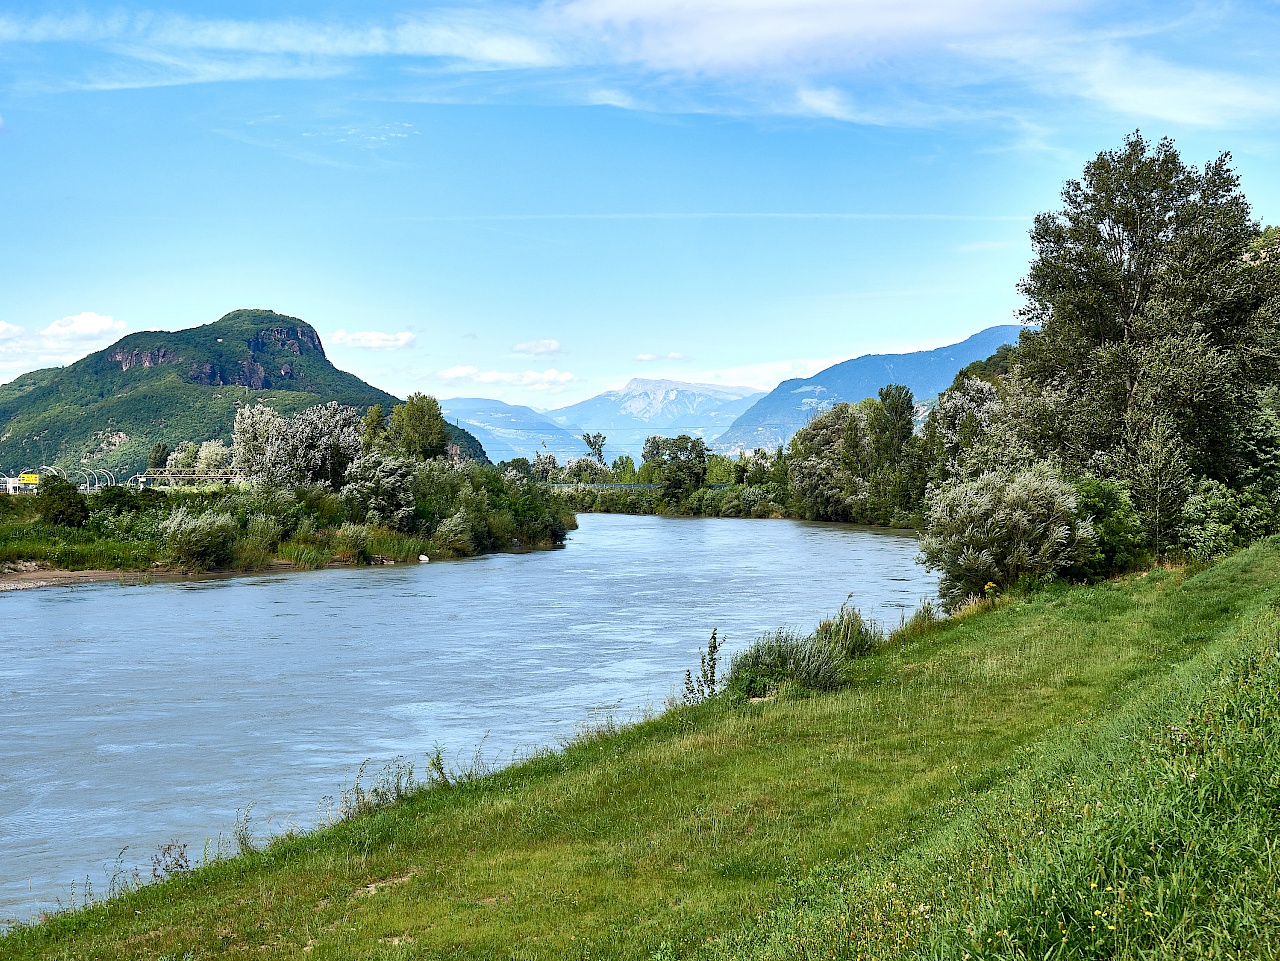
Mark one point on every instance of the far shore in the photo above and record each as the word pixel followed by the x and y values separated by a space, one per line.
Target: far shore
pixel 30 579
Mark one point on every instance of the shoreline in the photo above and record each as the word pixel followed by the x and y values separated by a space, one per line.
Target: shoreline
pixel 27 580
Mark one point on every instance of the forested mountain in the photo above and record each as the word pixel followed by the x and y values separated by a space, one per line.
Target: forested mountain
pixel 107 410
pixel 666 407
pixel 774 418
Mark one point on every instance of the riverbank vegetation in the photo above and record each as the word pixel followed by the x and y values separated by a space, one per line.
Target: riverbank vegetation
pixel 1138 417
pixel 1082 763
pixel 325 485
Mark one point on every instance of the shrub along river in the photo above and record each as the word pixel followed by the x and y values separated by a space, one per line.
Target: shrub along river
pixel 135 716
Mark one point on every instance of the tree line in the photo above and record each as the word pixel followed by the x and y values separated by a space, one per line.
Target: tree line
pixel 1138 416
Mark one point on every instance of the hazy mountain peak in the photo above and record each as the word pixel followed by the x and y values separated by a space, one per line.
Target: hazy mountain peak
pixel 644 385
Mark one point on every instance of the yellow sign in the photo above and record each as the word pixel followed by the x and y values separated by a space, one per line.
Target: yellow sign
pixel 28 478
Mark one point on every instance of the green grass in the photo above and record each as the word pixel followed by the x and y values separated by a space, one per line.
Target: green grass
pixel 71 549
pixel 777 829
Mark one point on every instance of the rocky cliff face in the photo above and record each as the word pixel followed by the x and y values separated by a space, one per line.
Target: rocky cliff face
pixel 145 358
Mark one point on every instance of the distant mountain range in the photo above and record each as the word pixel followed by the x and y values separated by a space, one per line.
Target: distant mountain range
pixel 775 417
pixel 508 431
pixel 646 407
pixel 107 410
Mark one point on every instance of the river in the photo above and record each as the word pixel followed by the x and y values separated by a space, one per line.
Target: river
pixel 135 716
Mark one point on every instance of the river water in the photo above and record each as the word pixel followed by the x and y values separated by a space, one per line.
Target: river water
pixel 135 716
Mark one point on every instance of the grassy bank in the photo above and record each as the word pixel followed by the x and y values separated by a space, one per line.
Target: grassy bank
pixel 899 816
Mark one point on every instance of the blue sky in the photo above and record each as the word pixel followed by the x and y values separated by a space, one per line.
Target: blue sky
pixel 537 202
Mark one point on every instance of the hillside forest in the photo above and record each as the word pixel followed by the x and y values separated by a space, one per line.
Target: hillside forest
pixel 1138 417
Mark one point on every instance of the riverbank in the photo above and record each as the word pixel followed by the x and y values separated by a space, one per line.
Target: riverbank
pixel 802 826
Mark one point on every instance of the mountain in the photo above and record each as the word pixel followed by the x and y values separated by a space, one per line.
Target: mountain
pixel 107 410
pixel 508 431
pixel 667 407
pixel 772 419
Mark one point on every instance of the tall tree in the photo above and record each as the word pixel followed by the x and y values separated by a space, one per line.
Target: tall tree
pixel 418 428
pixel 1142 305
pixel 595 444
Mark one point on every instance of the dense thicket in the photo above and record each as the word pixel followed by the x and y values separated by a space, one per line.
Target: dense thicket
pixel 326 483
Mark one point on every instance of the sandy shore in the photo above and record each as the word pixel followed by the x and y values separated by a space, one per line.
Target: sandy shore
pixel 29 577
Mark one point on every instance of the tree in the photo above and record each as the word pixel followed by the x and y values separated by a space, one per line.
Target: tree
pixel 1143 305
pixel 60 502
pixel 159 456
pixel 680 464
pixel 373 428
pixel 595 446
pixel 418 428
pixel 1154 463
pixel 379 490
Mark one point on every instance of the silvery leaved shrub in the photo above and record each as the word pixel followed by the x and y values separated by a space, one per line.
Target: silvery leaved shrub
pixel 199 541
pixel 1000 527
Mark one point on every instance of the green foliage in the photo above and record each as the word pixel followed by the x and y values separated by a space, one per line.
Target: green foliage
pixel 595 446
pixel 60 502
pixel 785 660
pixel 158 456
pixel 1217 520
pixel 417 429
pixel 1120 543
pixel 379 491
pixel 1148 309
pixel 351 543
pixel 677 464
pixel 850 633
pixel 200 541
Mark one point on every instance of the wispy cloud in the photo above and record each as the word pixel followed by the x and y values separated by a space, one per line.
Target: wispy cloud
pixel 374 339
pixel 61 342
pixel 860 61
pixel 537 347
pixel 546 380
pixel 648 358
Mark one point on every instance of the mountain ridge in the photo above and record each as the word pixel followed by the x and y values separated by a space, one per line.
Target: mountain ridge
pixel 773 419
pixel 107 409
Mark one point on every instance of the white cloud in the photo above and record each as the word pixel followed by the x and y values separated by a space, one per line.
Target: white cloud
pixel 85 326
pixel 647 358
pixel 538 347
pixel 549 380
pixel 23 349
pixel 374 339
pixel 861 61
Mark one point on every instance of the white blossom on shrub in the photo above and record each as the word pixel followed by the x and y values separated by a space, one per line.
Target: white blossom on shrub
pixel 997 528
pixel 379 489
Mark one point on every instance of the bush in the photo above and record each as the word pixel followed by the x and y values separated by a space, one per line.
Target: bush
pixel 380 491
pixel 351 543
pixel 785 659
pixel 453 537
pixel 60 502
pixel 987 533
pixel 199 541
pixel 849 633
pixel 1121 538
pixel 1217 520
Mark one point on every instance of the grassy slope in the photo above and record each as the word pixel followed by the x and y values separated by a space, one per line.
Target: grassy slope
pixel 680 829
